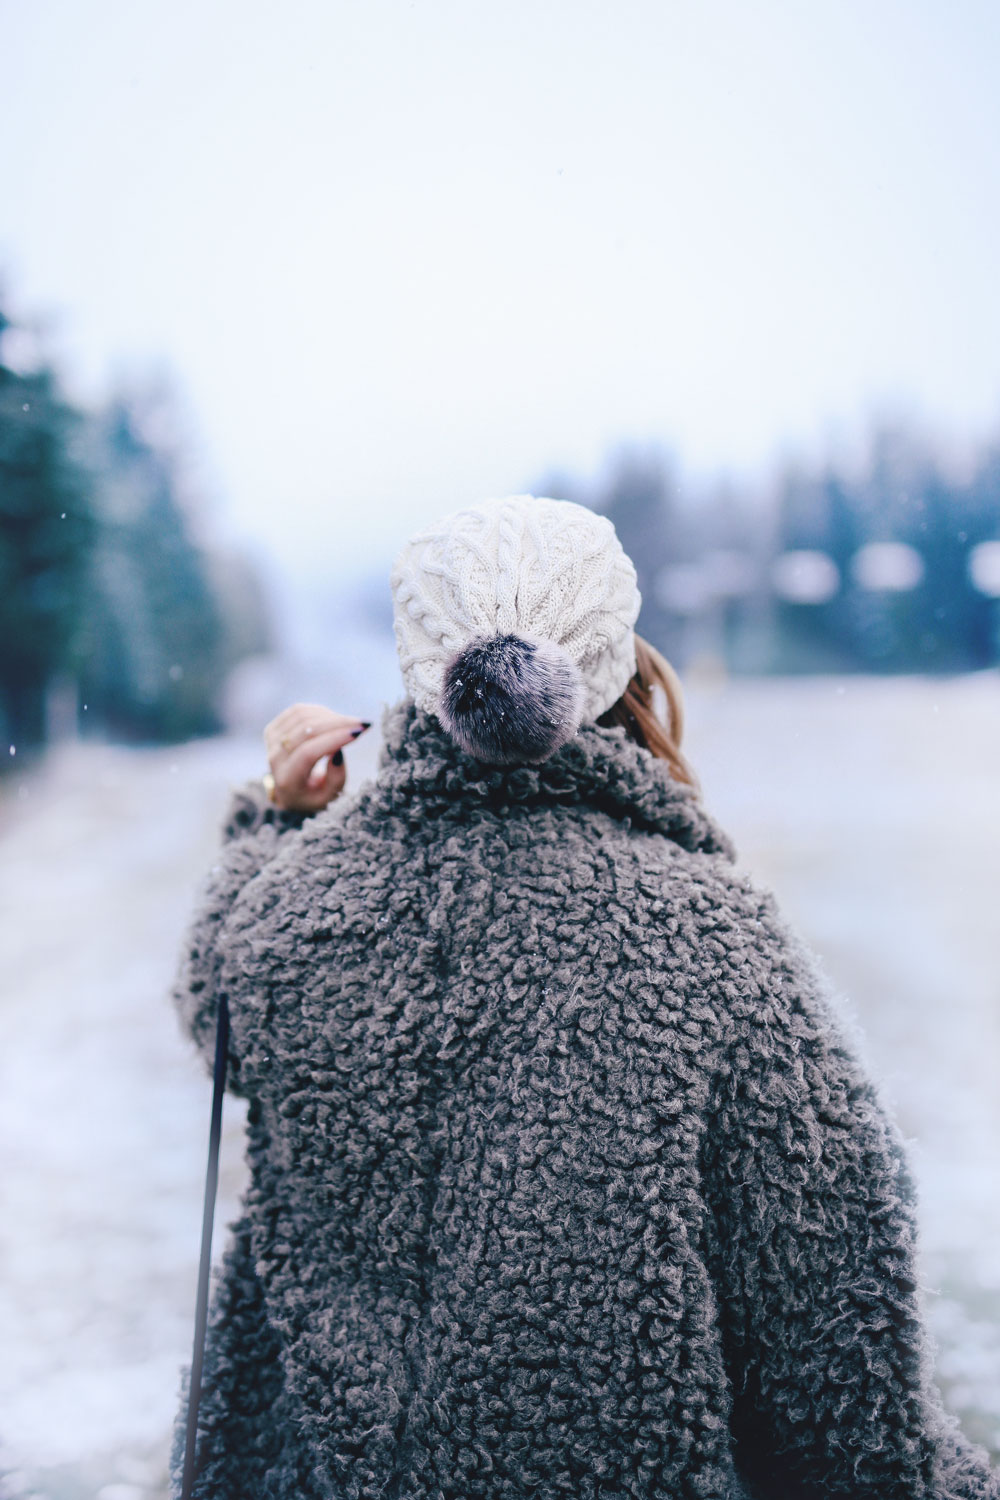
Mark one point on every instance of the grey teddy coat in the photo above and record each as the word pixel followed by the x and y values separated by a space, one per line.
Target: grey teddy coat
pixel 564 1180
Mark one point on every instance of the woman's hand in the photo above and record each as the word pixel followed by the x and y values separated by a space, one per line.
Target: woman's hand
pixel 296 741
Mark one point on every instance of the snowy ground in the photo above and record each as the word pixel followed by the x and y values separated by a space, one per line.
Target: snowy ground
pixel 873 809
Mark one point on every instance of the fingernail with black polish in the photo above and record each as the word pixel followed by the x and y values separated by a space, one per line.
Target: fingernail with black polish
pixel 338 757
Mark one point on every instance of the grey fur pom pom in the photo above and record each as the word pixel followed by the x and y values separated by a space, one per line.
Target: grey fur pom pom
pixel 508 701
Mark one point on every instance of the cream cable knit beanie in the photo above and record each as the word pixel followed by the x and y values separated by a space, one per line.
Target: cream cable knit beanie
pixel 514 623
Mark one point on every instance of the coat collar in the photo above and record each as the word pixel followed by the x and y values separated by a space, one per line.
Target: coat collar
pixel 597 767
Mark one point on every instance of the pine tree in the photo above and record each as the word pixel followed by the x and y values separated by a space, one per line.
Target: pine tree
pixel 46 528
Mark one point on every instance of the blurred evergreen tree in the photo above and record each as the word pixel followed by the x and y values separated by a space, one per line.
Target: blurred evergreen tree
pixel 981 523
pixel 933 621
pixel 243 603
pixel 638 498
pixel 814 515
pixel 46 530
pixel 907 499
pixel 891 625
pixel 155 644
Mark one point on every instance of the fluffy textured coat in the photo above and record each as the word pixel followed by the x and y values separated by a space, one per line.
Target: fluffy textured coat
pixel 564 1181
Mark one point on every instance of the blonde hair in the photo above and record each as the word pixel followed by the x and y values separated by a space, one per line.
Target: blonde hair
pixel 635 710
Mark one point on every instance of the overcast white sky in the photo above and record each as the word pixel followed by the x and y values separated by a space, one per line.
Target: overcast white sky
pixel 400 254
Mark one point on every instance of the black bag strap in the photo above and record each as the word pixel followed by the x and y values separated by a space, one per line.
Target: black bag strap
pixel 204 1269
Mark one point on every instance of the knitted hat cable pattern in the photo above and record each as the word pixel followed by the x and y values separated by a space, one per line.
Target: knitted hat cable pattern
pixel 514 623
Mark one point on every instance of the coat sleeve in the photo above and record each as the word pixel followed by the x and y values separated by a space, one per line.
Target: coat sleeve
pixel 814 1251
pixel 252 831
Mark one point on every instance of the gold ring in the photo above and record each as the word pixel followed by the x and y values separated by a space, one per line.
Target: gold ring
pixel 269 788
pixel 288 744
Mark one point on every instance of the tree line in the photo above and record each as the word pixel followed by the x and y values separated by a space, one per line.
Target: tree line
pixel 114 619
pixel 888 563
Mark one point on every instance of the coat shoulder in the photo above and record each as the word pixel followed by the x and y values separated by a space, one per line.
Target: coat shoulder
pixel 758 971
